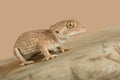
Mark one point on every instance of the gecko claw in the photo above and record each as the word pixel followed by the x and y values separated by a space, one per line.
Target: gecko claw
pixel 51 57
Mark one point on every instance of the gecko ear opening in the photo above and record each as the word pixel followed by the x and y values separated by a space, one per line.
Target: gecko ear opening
pixel 53 29
pixel 57 31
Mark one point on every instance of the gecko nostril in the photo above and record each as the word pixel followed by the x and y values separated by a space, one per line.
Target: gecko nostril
pixel 83 27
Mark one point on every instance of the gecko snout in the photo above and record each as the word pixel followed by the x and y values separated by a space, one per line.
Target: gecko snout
pixel 83 28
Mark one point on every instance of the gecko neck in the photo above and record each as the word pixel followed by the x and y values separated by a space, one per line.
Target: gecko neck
pixel 60 40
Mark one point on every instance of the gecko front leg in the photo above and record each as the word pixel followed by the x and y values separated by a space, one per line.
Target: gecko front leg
pixel 45 52
pixel 63 49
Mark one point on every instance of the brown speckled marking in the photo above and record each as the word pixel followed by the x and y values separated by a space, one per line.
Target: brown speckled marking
pixel 95 58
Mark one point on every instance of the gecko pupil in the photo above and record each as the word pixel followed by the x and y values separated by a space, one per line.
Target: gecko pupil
pixel 70 25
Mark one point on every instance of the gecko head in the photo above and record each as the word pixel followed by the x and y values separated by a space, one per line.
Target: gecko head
pixel 67 28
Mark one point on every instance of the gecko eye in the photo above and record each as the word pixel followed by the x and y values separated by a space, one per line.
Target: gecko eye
pixel 70 24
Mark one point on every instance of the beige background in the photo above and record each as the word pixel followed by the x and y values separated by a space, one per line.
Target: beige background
pixel 18 16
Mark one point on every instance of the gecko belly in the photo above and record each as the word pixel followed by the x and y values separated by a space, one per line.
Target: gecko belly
pixel 52 46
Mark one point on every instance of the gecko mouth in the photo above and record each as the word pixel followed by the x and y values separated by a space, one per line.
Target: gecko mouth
pixel 81 30
pixel 78 32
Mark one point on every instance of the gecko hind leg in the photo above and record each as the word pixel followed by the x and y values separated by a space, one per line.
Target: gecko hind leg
pixel 21 58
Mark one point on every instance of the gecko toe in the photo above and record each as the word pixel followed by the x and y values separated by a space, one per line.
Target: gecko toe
pixel 53 56
pixel 26 63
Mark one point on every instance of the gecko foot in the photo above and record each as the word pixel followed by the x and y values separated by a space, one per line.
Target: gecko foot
pixel 51 57
pixel 63 49
pixel 26 63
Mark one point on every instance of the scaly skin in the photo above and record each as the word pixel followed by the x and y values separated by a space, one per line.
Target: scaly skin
pixel 43 41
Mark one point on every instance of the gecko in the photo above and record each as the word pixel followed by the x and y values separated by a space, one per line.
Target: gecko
pixel 44 40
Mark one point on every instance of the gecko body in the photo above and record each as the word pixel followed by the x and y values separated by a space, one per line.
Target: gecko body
pixel 43 41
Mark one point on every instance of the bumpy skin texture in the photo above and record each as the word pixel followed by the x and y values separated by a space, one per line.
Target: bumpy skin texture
pixel 43 41
pixel 28 42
